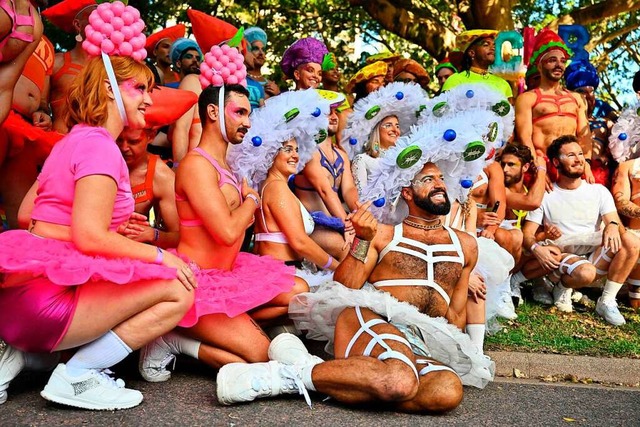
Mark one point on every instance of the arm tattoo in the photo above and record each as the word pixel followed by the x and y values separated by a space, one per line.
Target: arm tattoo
pixel 625 207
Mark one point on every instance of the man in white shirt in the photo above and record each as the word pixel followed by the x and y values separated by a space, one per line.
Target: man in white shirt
pixel 571 213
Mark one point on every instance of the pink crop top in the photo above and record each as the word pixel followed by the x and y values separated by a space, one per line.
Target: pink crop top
pixel 226 177
pixel 83 152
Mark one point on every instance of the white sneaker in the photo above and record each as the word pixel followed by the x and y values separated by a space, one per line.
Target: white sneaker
pixel 11 363
pixel 562 298
pixel 289 350
pixel 154 359
pixel 542 293
pixel 609 311
pixel 93 390
pixel 506 309
pixel 245 382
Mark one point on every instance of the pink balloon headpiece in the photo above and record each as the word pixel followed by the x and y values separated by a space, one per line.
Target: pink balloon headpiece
pixel 115 29
pixel 223 65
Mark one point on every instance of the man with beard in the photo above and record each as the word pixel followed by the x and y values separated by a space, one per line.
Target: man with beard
pixel 479 52
pixel 324 183
pixel 185 133
pixel 260 88
pixel 379 360
pixel 549 111
pixel 577 209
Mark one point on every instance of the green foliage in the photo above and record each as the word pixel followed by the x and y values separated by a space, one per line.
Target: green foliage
pixel 543 330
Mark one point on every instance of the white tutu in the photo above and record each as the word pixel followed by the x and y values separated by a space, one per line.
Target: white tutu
pixel 494 264
pixel 317 312
pixel 314 278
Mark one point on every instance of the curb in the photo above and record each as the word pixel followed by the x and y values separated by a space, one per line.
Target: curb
pixel 623 371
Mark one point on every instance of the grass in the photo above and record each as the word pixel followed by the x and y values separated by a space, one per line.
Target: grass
pixel 540 329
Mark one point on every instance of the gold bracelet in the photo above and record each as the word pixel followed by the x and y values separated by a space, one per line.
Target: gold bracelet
pixel 360 249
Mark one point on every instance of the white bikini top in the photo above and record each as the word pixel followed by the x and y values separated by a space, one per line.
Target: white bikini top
pixel 427 254
pixel 278 236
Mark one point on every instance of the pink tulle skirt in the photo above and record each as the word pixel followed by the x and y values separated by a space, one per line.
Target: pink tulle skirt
pixel 253 281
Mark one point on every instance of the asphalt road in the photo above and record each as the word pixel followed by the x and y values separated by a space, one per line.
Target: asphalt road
pixel 188 399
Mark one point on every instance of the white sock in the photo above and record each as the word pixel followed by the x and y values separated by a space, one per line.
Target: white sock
pixel 476 333
pixel 41 362
pixel 518 278
pixel 180 344
pixel 305 373
pixel 610 291
pixel 102 353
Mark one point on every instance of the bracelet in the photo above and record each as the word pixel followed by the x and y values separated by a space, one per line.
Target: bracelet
pixel 533 247
pixel 541 168
pixel 613 222
pixel 156 234
pixel 159 256
pixel 254 198
pixel 328 264
pixel 359 249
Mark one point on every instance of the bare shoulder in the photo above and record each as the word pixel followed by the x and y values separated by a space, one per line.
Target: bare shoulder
pixel 191 82
pixel 468 242
pixel 163 173
pixel 278 191
pixel 525 99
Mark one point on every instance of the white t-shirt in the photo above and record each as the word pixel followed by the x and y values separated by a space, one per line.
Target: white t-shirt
pixel 574 211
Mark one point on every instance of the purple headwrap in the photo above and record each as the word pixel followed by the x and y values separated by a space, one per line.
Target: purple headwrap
pixel 580 74
pixel 302 52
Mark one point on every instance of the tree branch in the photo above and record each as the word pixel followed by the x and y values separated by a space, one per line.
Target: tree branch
pixel 606 38
pixel 596 12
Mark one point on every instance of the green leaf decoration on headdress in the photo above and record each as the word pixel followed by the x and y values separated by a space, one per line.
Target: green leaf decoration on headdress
pixel 329 62
pixel 237 38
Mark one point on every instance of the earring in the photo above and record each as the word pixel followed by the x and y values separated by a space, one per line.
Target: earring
pixel 79 38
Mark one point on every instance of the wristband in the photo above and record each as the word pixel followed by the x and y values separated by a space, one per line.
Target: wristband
pixel 254 198
pixel 359 249
pixel 156 234
pixel 613 222
pixel 159 256
pixel 533 247
pixel 541 168
pixel 328 264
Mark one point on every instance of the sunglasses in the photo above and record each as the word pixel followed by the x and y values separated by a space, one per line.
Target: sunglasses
pixel 288 149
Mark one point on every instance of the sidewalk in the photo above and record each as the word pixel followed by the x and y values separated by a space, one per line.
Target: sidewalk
pixel 534 365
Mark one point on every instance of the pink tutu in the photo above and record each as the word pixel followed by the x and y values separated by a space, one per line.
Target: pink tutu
pixel 63 264
pixel 253 281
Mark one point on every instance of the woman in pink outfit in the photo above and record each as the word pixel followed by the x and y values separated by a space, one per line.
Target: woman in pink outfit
pixel 72 280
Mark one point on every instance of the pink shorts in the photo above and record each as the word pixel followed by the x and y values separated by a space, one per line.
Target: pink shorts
pixel 35 315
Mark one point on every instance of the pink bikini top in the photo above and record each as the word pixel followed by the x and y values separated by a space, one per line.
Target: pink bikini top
pixel 18 21
pixel 226 177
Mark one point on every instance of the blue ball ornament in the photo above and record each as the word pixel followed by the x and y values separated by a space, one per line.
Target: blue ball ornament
pixel 449 135
pixel 316 112
pixel 378 203
pixel 469 93
pixel 256 141
pixel 353 141
pixel 399 96
pixel 622 137
pixel 466 183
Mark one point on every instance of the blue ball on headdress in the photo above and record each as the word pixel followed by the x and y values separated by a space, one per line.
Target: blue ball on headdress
pixel 399 96
pixel 316 112
pixel 623 136
pixel 256 141
pixel 449 135
pixel 378 203
pixel 466 183
pixel 469 93
pixel 353 141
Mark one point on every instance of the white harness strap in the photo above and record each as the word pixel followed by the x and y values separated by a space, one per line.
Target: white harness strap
pixel 389 353
pixel 425 252
pixel 431 367
pixel 603 255
pixel 570 267
pixel 634 291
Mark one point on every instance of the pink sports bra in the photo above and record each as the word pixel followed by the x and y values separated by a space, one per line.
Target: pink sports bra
pixel 226 177
pixel 17 21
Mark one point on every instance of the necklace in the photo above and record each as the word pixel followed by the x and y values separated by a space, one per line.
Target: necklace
pixel 423 226
pixel 425 219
